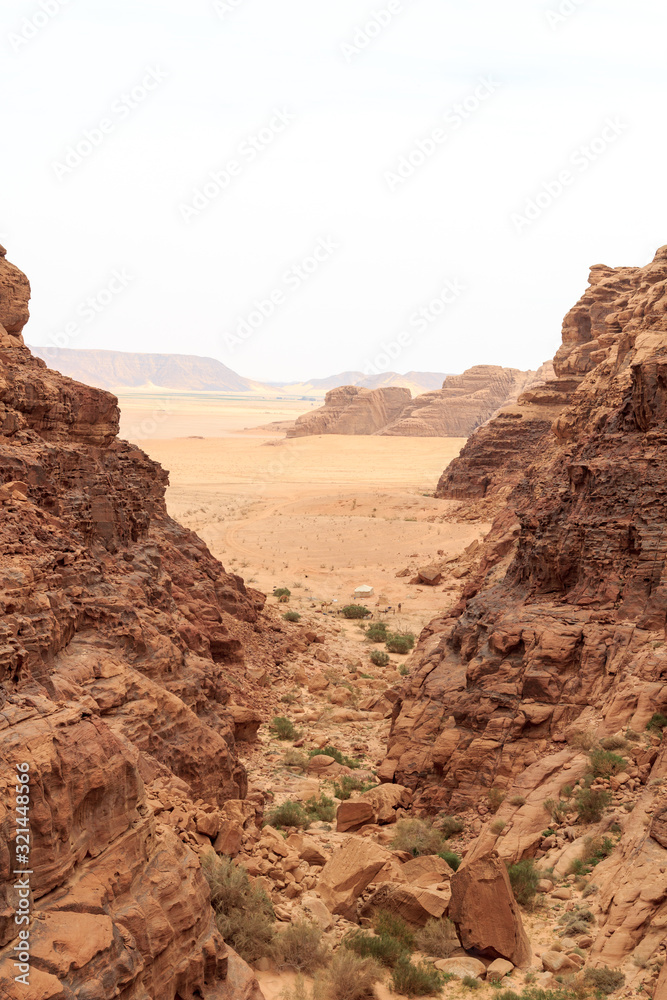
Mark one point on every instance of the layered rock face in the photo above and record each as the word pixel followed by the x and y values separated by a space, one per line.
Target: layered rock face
pixel 462 404
pixel 118 634
pixel 562 628
pixel 351 410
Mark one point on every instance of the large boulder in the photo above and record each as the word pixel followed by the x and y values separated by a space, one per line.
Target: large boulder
pixel 412 903
pixel 485 913
pixel 347 873
pixel 377 805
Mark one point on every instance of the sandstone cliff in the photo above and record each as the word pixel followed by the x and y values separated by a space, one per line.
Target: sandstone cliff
pixel 461 405
pixel 560 638
pixel 118 638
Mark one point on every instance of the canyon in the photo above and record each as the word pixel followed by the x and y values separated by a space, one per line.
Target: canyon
pixel 139 677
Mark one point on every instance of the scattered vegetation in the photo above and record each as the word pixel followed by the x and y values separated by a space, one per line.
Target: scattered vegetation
pixel 581 740
pixel 244 914
pixel 605 763
pixel 400 642
pixel 557 809
pixel 449 825
pixel 348 977
pixel 524 877
pixel 339 757
pixel 283 728
pixel 615 742
pixel 289 813
pixel 282 592
pixel 353 611
pixel 576 921
pixel 389 925
pixel 452 859
pixel 290 697
pixel 295 759
pixel 417 836
pixel 381 947
pixel 377 632
pixel 471 982
pixel 300 947
pixel 498 826
pixel 496 797
pixel 604 980
pixel 348 783
pixel 656 723
pixel 517 800
pixel 438 938
pixel 420 980
pixel 322 809
pixel 403 669
pixel 292 616
pixel 379 658
pixel 591 803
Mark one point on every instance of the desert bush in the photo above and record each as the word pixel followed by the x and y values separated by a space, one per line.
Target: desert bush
pixel 452 859
pixel 403 669
pixel 244 915
pixel 292 616
pixel 379 658
pixel 590 890
pixel 557 809
pixel 591 803
pixel 340 758
pixel 657 722
pixel 437 938
pixel 290 697
pixel 295 759
pixel 577 921
pixel 498 826
pixel 524 877
pixel 377 632
pixel 400 642
pixel 300 947
pixel 289 813
pixel 380 947
pixel 412 980
pixel 604 980
pixel 614 743
pixel 348 977
pixel 353 611
pixel 322 809
pixel 389 925
pixel 282 592
pixel 449 825
pixel 517 800
pixel 283 728
pixel 597 849
pixel 581 740
pixel 417 836
pixel 299 991
pixel 495 797
pixel 471 982
pixel 605 763
pixel 348 783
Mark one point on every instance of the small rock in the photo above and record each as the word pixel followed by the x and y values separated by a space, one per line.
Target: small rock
pixel 498 970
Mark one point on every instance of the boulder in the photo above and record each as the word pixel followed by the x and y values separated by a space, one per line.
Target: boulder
pixel 430 869
pixel 412 903
pixel 377 805
pixel 498 970
pixel 347 873
pixel 246 722
pixel 485 913
pixel 315 910
pixel 557 961
pixel 461 967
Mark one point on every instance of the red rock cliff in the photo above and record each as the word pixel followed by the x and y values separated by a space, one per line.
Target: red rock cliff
pixel 117 632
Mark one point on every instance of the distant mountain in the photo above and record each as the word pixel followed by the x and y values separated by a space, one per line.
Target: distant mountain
pixel 416 382
pixel 117 370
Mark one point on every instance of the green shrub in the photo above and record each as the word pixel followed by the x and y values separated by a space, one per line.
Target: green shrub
pixel 498 826
pixel 292 616
pixel 382 948
pixel 605 763
pixel 389 925
pixel 337 756
pixel 471 982
pixel 524 877
pixel 576 922
pixel 282 592
pixel 452 859
pixel 597 849
pixel 657 722
pixel 322 809
pixel 283 728
pixel 420 980
pixel 604 980
pixel 400 642
pixel 244 915
pixel 403 669
pixel 354 611
pixel 517 800
pixel 615 743
pixel 438 938
pixel 295 759
pixel 289 813
pixel 417 836
pixel 495 797
pixel 300 947
pixel 348 783
pixel 377 632
pixel 379 658
pixel 557 809
pixel 450 825
pixel 591 803
pixel 348 977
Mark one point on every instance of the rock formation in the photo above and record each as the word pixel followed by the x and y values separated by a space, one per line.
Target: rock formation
pixel 559 640
pixel 118 637
pixel 461 405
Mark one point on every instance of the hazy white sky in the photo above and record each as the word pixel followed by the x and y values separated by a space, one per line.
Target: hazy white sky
pixel 337 241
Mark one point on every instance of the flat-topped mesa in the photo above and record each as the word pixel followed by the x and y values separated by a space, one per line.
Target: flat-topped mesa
pixel 118 635
pixel 562 628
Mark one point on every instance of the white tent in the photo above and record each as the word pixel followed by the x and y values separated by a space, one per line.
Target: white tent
pixel 364 592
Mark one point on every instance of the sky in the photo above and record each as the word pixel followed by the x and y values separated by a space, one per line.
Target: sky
pixel 307 187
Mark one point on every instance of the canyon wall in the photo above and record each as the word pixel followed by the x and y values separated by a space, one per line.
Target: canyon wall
pixel 461 405
pixel 559 637
pixel 120 640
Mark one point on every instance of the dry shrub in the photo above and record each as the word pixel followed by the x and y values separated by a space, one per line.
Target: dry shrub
pixel 244 915
pixel 300 947
pixel 438 938
pixel 417 836
pixel 348 977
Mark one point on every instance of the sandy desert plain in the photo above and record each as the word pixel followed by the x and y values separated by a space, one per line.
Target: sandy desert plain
pixel 319 515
